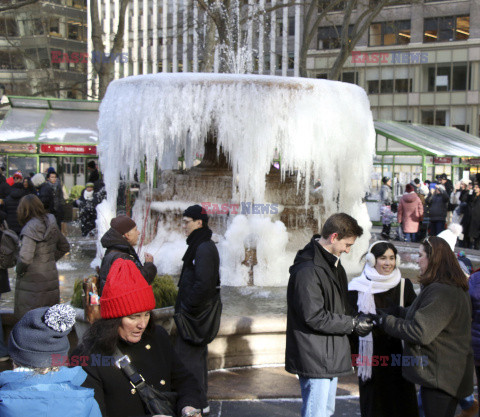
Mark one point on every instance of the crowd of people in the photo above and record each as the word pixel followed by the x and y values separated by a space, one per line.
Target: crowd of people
pixel 427 208
pixel 394 337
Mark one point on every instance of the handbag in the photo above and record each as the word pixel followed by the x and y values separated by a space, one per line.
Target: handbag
pixel 200 329
pixel 91 299
pixel 156 402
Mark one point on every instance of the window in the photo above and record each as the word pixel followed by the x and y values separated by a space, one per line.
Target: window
pixel 386 86
pixel 403 85
pixel 389 33
pixel 322 76
pixel 323 4
pixel 8 27
pixel 373 87
pixel 329 37
pixel 448 78
pixel 291 61
pixel 291 26
pixel 445 29
pixel 349 77
pixel 54 25
pixel 432 117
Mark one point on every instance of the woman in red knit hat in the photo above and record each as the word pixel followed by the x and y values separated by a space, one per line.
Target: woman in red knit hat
pixel 125 326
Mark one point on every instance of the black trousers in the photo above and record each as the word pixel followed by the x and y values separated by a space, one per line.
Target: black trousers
pixel 195 360
pixel 437 403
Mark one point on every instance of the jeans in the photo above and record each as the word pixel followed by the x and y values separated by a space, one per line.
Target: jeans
pixel 3 348
pixel 318 396
pixel 410 237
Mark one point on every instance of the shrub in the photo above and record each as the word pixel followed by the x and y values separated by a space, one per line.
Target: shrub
pixel 75 193
pixel 77 293
pixel 165 291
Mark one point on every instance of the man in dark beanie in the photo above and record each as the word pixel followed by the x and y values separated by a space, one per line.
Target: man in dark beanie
pixel 119 241
pixel 198 285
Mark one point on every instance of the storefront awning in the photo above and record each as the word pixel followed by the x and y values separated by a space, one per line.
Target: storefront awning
pixel 50 121
pixel 431 140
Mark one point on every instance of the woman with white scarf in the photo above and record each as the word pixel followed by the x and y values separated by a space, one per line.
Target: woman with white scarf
pixel 383 390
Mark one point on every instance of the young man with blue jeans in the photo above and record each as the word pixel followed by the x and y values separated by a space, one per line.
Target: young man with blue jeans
pixel 318 319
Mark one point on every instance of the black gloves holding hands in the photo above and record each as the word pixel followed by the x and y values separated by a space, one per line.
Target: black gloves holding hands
pixel 363 324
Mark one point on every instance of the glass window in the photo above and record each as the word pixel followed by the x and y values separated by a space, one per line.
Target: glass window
pixel 403 85
pixel 349 77
pixel 373 87
pixel 431 117
pixel 389 33
pixel 459 77
pixel 291 26
pixel 24 164
pixel 329 37
pixel 446 28
pixel 386 86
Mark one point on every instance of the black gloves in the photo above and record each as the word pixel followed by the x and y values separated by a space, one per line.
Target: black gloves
pixel 362 324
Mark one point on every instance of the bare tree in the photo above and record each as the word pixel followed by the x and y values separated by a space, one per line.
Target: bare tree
pixel 105 67
pixel 361 12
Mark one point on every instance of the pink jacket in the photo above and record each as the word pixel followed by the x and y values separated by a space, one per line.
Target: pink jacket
pixel 410 212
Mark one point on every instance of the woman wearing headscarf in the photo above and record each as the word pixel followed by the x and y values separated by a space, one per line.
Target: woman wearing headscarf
pixel 383 390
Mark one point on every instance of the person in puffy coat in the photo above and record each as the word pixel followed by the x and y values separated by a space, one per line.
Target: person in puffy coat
pixel 10 205
pixel 44 192
pixel 410 212
pixel 42 244
pixel 474 290
pixel 40 384
pixel 87 203
pixel 437 208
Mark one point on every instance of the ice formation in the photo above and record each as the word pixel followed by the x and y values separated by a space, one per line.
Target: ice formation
pixel 322 129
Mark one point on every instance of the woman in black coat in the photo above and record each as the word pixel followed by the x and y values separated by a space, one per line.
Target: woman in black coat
pixel 127 329
pixel 383 390
pixel 436 331
pixel 10 206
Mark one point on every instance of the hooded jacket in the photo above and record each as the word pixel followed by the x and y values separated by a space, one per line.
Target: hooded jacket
pixel 317 319
pixel 55 394
pixel 410 212
pixel 117 247
pixel 11 204
pixel 42 244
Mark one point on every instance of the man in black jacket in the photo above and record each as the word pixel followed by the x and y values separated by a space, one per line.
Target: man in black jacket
pixel 198 284
pixel 318 319
pixel 119 241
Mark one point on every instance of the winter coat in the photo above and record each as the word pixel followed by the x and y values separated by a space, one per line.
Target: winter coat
pixel 42 244
pixel 474 214
pixel 4 190
pixel 386 195
pixel 117 247
pixel 318 319
pixel 87 211
pixel 437 206
pixel 45 194
pixel 410 212
pixel 474 290
pixel 55 394
pixel 58 200
pixel 377 398
pixel 198 283
pixel 436 329
pixel 10 205
pixel 155 359
pixel 4 282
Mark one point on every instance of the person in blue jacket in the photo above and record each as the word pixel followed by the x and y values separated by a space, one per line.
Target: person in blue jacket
pixel 39 385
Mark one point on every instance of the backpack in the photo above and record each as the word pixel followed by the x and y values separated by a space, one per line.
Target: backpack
pixel 9 247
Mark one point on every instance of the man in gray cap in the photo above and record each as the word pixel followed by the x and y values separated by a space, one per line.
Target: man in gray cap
pixel 197 287
pixel 119 241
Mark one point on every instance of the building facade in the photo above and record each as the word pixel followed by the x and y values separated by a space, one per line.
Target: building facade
pixel 43 49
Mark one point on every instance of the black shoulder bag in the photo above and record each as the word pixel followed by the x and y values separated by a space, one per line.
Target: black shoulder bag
pixel 200 329
pixel 156 402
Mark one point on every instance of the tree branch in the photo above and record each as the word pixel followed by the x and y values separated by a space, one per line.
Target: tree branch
pixel 17 5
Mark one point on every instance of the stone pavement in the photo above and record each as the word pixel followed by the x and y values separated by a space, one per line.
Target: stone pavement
pixel 269 391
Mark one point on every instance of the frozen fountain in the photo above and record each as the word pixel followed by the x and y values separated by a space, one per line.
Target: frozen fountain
pixel 319 133
pixel 317 130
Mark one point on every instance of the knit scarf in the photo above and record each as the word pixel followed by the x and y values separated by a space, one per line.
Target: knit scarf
pixel 368 284
pixel 194 240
